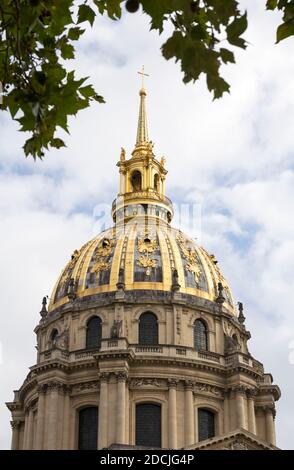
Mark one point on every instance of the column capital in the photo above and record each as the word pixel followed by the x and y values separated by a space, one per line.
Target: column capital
pixel 189 385
pixel 30 405
pixel 42 388
pixel 67 389
pixel 55 386
pixel 121 376
pixel 240 389
pixel 251 393
pixel 15 424
pixel 172 383
pixel 270 409
pixel 104 376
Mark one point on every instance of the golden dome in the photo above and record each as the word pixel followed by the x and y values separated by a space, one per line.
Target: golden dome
pixel 142 254
pixel 133 259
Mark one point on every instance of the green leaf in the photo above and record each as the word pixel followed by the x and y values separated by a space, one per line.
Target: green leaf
pixel 218 85
pixel 112 7
pixel 99 98
pixel 271 4
pixel 174 46
pixel 236 29
pixel 284 31
pixel 87 91
pixel 67 51
pixel 75 33
pixel 198 32
pixel 86 13
pixel 226 55
pixel 57 143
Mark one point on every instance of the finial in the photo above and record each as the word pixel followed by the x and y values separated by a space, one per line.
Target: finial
pixel 143 74
pixel 44 311
pixel 241 317
pixel 122 155
pixel 142 132
pixel 220 298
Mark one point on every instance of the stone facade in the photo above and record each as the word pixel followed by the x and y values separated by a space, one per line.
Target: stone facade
pixel 123 373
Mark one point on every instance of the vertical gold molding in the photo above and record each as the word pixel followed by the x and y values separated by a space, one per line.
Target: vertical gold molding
pixel 130 253
pixel 166 267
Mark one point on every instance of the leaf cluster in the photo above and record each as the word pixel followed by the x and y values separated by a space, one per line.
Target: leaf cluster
pixel 38 37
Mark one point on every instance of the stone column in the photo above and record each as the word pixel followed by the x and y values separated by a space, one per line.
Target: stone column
pixel 25 431
pixel 227 423
pixel 30 430
pixel 41 417
pixel 189 414
pixel 15 425
pixel 270 425
pixel 66 418
pixel 121 408
pixel 122 186
pixel 103 412
pixel 162 185
pixel 240 410
pixel 172 414
pixel 251 411
pixel 52 423
pixel 219 342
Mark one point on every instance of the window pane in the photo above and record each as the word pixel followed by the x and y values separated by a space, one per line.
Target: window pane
pixel 148 329
pixel 206 427
pixel 88 428
pixel 94 333
pixel 200 336
pixel 148 425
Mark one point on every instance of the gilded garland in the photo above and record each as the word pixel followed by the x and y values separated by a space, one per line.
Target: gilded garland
pixel 190 255
pixel 147 246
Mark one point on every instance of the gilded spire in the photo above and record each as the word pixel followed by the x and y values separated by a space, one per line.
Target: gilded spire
pixel 142 132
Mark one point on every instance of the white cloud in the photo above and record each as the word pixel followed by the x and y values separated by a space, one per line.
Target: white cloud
pixel 234 156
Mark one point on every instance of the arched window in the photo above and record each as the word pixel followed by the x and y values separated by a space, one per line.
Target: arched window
pixel 148 329
pixel 148 425
pixel 156 182
pixel 200 336
pixel 88 428
pixel 94 333
pixel 206 424
pixel 136 180
pixel 53 336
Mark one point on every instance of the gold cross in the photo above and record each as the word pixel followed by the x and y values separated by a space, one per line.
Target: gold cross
pixel 143 75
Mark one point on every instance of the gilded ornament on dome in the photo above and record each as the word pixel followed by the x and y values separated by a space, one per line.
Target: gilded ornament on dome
pixel 99 266
pixel 191 257
pixel 66 275
pixel 100 257
pixel 147 263
pixel 147 246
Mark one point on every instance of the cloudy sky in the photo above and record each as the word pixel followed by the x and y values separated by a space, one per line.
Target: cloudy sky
pixel 232 158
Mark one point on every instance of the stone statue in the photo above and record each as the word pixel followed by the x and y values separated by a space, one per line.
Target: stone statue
pixel 116 329
pixel 122 155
